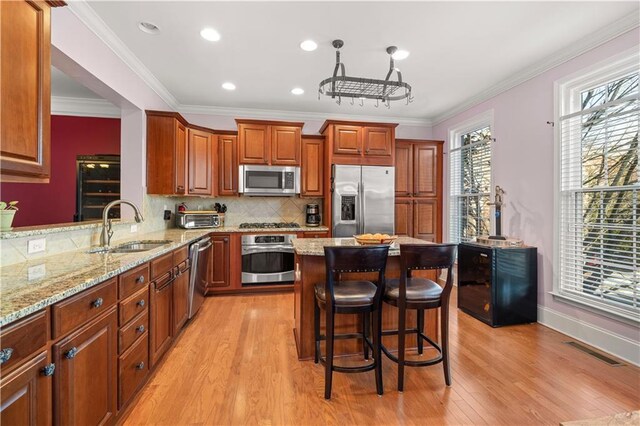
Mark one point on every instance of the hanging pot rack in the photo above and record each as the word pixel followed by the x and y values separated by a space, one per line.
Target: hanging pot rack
pixel 342 86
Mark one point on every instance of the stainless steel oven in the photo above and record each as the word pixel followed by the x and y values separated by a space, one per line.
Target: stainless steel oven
pixel 269 180
pixel 267 258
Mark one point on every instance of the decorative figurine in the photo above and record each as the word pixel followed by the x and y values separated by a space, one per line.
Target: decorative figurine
pixel 498 212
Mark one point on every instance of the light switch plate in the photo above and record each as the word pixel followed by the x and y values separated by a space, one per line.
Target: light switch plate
pixel 36 246
pixel 37 272
pixel 134 228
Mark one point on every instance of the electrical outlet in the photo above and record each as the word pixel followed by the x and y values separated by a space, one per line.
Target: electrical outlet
pixel 167 215
pixel 134 228
pixel 199 207
pixel 36 272
pixel 36 246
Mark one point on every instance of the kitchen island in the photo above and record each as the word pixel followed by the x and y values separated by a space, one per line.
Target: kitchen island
pixel 310 270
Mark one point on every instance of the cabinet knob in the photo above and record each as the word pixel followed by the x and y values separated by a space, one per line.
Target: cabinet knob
pixel 190 189
pixel 140 303
pixel 367 151
pixel 71 353
pixel 5 355
pixel 140 279
pixel 48 370
pixel 408 193
pixel 180 187
pixel 97 303
pixel 140 365
pixel 225 240
pixel 140 329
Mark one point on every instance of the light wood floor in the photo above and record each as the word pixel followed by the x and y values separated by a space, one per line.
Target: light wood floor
pixel 236 364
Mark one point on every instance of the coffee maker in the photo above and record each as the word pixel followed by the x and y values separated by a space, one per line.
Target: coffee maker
pixel 313 215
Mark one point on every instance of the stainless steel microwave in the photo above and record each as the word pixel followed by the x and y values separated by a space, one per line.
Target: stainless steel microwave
pixel 271 181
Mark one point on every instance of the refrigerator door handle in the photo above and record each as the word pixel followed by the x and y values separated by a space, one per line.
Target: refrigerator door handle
pixel 358 210
pixel 362 210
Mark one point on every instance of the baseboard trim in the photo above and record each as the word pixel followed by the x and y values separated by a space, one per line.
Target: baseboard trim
pixel 604 340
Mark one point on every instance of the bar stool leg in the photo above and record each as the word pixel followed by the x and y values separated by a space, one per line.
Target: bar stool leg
pixel 444 341
pixel 316 330
pixel 328 369
pixel 377 347
pixel 402 313
pixel 365 333
pixel 420 322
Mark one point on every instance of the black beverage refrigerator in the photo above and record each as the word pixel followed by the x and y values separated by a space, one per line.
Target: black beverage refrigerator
pixel 97 184
pixel 498 285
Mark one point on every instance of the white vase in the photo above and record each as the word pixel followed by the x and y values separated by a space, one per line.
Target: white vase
pixel 6 219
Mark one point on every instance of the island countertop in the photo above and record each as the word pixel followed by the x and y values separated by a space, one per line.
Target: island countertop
pixel 315 246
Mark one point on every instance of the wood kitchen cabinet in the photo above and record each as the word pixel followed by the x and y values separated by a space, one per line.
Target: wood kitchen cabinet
pixel 377 141
pixel 161 307
pixel 85 380
pixel 227 164
pixel 312 168
pixel 359 143
pixel 200 162
pixel 418 206
pixel 269 142
pixel 25 394
pixel 181 296
pixel 347 140
pixel 219 263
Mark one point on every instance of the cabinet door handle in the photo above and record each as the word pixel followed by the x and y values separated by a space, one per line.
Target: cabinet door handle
pixel 225 240
pixel 140 365
pixel 367 151
pixel 140 329
pixel 141 303
pixel 180 187
pixel 71 353
pixel 140 279
pixel 5 355
pixel 190 189
pixel 48 370
pixel 97 303
pixel 408 193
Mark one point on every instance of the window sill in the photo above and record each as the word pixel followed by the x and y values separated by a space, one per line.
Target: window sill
pixel 596 307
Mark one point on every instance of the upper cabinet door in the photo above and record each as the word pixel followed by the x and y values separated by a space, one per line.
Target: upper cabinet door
pixel 227 165
pixel 377 141
pixel 253 140
pixel 180 159
pixel 25 109
pixel 200 162
pixel 312 169
pixel 285 145
pixel 347 140
pixel 404 170
pixel 427 170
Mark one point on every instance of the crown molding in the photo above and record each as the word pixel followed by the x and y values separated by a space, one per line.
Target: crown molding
pixel 90 18
pixel 592 41
pixel 271 114
pixel 83 107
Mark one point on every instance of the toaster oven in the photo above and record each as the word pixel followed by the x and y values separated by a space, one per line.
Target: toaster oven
pixel 198 219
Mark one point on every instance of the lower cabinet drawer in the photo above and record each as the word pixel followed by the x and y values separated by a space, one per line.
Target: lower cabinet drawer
pixel 21 339
pixel 134 305
pixel 130 332
pixel 133 368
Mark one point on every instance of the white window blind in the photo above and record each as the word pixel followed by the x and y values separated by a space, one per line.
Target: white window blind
pixel 599 200
pixel 470 183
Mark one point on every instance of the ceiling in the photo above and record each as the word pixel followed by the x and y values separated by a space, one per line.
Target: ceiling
pixel 458 49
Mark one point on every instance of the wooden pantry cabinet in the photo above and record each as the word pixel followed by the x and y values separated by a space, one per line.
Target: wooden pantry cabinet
pixel 25 83
pixel 312 167
pixel 269 142
pixel 180 156
pixel 227 164
pixel 418 205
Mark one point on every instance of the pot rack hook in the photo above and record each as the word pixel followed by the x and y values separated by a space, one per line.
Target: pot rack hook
pixel 361 102
pixel 388 104
pixel 352 101
pixel 377 103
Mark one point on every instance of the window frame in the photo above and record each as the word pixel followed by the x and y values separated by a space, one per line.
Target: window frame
pixel 479 121
pixel 566 93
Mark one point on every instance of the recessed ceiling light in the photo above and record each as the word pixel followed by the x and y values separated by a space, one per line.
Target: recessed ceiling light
pixel 228 86
pixel 309 45
pixel 148 27
pixel 297 91
pixel 399 55
pixel 210 34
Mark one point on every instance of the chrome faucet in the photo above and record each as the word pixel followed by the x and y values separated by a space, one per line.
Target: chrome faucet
pixel 107 232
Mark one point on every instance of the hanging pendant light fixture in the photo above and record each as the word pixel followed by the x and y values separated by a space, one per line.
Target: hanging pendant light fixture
pixel 342 86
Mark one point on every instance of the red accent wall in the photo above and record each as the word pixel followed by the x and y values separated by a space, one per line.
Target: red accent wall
pixel 55 202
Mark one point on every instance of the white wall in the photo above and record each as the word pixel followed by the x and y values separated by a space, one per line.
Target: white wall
pixel 523 164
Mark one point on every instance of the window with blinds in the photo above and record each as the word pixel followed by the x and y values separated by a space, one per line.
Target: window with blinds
pixel 599 194
pixel 470 183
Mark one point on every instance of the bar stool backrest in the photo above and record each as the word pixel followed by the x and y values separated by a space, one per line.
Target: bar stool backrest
pixel 340 259
pixel 427 256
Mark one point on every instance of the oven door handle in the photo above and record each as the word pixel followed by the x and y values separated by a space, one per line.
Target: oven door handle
pixel 270 249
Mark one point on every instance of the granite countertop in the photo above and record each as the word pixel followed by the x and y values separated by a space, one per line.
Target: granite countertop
pixel 315 246
pixel 226 229
pixel 32 285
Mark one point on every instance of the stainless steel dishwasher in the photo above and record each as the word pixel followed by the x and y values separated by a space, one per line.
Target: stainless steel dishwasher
pixel 199 255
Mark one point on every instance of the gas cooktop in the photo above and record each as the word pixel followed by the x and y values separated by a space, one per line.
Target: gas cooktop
pixel 267 225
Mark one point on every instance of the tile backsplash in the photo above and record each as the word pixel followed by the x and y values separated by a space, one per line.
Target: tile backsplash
pixel 239 209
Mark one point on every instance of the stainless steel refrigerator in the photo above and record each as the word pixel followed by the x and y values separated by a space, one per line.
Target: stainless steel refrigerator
pixel 363 200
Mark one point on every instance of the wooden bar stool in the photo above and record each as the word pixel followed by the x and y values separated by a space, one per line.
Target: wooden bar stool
pixel 351 297
pixel 409 292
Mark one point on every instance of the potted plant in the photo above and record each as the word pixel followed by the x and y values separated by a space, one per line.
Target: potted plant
pixel 7 211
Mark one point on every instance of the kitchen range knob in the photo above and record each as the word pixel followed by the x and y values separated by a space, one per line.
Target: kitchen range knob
pixel 140 329
pixel 140 279
pixel 140 365
pixel 97 303
pixel 140 303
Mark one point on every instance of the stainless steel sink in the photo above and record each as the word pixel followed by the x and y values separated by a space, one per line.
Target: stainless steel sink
pixel 131 246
